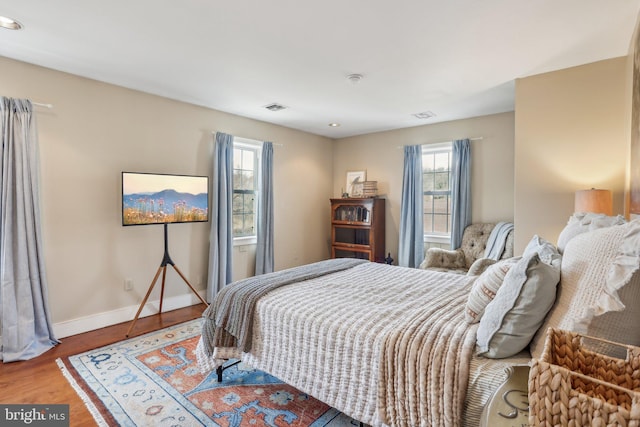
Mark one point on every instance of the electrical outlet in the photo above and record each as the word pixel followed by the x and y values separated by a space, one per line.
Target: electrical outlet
pixel 128 284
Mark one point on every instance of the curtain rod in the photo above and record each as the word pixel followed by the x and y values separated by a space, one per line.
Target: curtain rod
pixel 274 143
pixel 40 104
pixel 477 138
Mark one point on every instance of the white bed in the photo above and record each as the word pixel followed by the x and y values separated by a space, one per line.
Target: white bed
pixel 329 344
pixel 390 345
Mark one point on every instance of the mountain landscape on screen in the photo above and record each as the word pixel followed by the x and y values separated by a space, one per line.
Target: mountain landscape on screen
pixel 162 198
pixel 164 206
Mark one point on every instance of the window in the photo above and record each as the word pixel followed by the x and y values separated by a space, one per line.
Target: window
pixel 246 162
pixel 436 170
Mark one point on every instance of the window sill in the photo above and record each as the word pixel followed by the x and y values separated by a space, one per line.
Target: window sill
pixel 436 238
pixel 244 241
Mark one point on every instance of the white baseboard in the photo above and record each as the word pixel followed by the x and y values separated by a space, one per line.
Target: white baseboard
pixel 125 314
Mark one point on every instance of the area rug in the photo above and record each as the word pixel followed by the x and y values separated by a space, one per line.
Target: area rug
pixel 154 380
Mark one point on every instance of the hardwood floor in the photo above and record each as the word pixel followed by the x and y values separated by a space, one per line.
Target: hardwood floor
pixel 39 381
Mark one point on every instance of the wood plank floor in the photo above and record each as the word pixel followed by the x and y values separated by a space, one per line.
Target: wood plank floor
pixel 39 381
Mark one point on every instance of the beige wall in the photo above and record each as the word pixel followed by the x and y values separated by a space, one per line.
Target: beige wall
pixel 570 134
pixel 633 47
pixel 381 155
pixel 97 130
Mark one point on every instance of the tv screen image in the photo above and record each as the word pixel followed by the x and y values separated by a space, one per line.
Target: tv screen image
pixel 149 198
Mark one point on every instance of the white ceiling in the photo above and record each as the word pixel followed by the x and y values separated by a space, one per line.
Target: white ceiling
pixel 456 58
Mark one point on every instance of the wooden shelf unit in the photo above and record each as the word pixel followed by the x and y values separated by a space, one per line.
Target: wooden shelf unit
pixel 357 228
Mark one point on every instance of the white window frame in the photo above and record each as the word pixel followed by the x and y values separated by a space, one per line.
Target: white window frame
pixel 441 238
pixel 250 144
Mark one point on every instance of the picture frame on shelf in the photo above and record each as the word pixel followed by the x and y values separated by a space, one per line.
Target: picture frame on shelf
pixel 355 180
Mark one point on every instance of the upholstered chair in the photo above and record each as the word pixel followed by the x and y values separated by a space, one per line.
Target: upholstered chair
pixel 469 257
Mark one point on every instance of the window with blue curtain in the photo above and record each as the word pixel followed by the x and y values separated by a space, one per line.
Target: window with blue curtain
pixel 436 173
pixel 246 169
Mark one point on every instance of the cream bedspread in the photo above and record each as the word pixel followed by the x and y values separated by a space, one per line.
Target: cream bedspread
pixel 384 345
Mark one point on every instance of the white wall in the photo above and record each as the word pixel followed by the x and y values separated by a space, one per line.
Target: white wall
pixel 97 130
pixel 381 155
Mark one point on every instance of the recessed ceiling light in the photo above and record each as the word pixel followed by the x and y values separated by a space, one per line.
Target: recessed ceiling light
pixel 334 125
pixel 425 115
pixel 10 24
pixel 274 107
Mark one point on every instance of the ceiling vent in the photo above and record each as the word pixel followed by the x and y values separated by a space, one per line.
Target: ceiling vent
pixel 274 107
pixel 425 115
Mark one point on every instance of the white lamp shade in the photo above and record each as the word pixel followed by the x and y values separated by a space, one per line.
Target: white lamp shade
pixel 594 200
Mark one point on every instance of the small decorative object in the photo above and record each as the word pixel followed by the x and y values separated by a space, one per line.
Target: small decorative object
pixel 344 194
pixel 355 179
pixel 388 259
pixel 357 190
pixel 370 189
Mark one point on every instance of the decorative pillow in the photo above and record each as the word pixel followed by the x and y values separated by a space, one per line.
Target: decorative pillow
pixel 583 222
pixel 596 267
pixel 479 266
pixel 546 250
pixel 485 288
pixel 519 308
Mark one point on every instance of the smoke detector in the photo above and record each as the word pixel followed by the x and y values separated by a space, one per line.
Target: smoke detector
pixel 354 78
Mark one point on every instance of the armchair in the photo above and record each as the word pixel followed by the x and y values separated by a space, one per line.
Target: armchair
pixel 470 257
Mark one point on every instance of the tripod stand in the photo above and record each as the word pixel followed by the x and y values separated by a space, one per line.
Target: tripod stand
pixel 163 268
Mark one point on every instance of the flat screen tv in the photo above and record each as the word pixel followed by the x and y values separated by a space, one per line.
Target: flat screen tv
pixel 149 198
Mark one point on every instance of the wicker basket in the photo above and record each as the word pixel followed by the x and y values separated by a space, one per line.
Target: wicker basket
pixel 572 385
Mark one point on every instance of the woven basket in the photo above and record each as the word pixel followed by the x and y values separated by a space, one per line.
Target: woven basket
pixel 572 385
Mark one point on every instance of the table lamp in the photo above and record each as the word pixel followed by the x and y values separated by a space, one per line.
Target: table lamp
pixel 594 200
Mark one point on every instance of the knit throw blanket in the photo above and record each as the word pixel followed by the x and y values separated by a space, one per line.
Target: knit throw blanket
pixel 424 368
pixel 230 317
pixel 497 240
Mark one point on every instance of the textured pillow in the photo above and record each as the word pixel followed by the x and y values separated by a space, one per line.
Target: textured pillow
pixel 582 222
pixel 485 288
pixel 594 273
pixel 546 250
pixel 519 308
pixel 479 266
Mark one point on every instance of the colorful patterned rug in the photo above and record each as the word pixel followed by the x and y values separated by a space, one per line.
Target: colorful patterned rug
pixel 154 380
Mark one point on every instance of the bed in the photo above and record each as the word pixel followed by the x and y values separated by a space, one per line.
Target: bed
pixel 389 345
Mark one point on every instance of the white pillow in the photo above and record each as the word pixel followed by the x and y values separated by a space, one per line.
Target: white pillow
pixel 595 267
pixel 546 250
pixel 518 309
pixel 582 222
pixel 485 288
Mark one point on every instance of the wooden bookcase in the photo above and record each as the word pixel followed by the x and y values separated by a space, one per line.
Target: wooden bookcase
pixel 357 228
